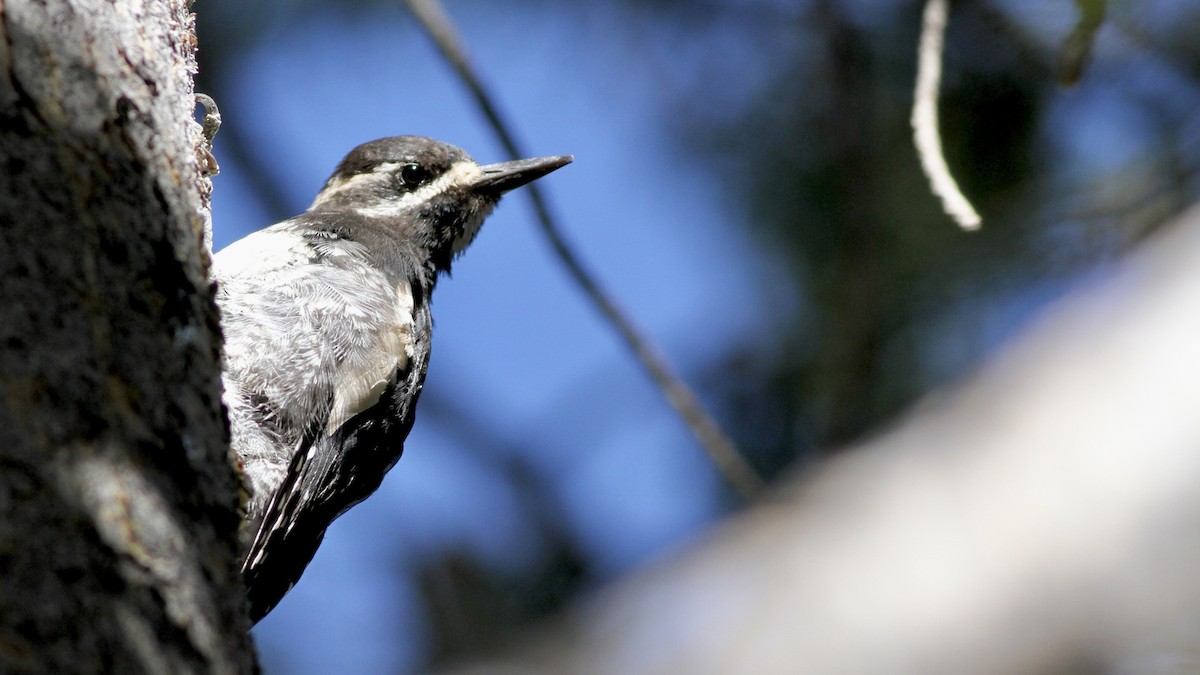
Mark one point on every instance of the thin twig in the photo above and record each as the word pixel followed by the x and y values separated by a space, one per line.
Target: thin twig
pixel 721 450
pixel 1076 50
pixel 925 117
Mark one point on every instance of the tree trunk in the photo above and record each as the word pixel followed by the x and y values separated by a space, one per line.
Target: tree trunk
pixel 118 505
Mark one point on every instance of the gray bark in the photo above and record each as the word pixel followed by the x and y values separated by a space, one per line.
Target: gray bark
pixel 118 506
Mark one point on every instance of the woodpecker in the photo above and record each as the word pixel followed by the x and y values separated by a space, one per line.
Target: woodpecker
pixel 327 333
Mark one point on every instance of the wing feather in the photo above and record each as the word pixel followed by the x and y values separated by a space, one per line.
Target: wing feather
pixel 325 356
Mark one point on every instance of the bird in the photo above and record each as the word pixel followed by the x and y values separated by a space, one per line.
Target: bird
pixel 327 330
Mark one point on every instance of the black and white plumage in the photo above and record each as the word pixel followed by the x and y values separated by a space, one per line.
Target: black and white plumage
pixel 327 333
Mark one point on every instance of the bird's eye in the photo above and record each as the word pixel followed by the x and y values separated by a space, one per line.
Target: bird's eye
pixel 413 175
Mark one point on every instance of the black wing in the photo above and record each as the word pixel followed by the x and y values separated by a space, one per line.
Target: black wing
pixel 329 473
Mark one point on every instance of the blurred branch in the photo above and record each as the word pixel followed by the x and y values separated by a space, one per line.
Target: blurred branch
pixel 721 450
pixel 1041 518
pixel 926 137
pixel 1076 50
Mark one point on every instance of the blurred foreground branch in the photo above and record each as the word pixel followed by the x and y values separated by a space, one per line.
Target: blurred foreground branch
pixel 720 448
pixel 1039 518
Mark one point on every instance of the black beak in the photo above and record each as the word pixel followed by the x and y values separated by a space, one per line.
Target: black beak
pixel 496 179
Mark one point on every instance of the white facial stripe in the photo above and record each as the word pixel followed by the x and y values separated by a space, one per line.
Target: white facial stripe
pixel 356 182
pixel 387 167
pixel 459 173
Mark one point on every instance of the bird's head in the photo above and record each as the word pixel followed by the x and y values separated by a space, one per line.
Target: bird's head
pixel 430 192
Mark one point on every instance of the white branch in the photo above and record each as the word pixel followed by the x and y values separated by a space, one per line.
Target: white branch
pixel 1040 516
pixel 925 118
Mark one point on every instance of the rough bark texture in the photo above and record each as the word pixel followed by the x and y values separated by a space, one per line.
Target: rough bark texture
pixel 117 503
